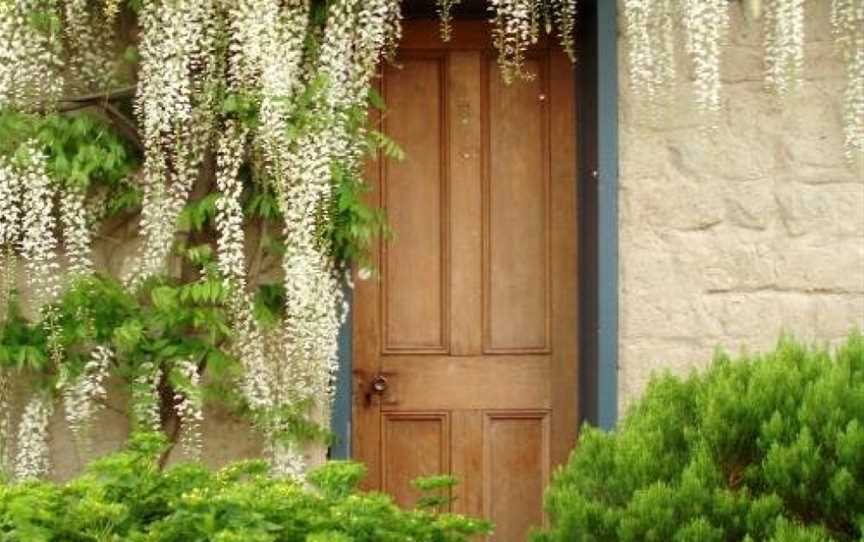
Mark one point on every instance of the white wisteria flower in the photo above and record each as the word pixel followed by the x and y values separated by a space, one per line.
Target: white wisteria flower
pixel 188 405
pixel 784 45
pixel 76 231
pixel 847 23
pixel 514 29
pixel 84 396
pixel 89 36
pixel 176 110
pixel 5 422
pixel 445 8
pixel 706 24
pixel 32 458
pixel 649 26
pixel 10 230
pixel 144 402
pixel 38 243
pixel 30 56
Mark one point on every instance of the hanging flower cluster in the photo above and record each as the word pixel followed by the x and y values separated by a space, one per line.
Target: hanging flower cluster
pixel 706 23
pixel 176 109
pixel 144 403
pixel 5 420
pixel 10 218
pixel 516 26
pixel 784 45
pixel 247 345
pixel 355 37
pixel 38 243
pixel 189 407
pixel 651 30
pixel 89 45
pixel 85 395
pixel 266 56
pixel 38 62
pixel 847 23
pixel 33 459
pixel 30 54
pixel 269 58
pixel 445 9
pixel 76 231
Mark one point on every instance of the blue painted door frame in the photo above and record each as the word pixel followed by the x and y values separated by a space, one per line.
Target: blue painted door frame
pixel 596 80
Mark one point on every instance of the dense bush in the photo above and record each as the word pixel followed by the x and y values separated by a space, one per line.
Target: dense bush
pixel 125 497
pixel 765 447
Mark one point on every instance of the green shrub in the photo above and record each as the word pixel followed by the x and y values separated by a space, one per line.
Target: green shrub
pixel 125 497
pixel 765 447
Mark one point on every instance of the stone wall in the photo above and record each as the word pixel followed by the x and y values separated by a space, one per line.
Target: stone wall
pixel 727 239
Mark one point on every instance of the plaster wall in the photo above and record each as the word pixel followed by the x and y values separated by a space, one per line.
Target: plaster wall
pixel 730 238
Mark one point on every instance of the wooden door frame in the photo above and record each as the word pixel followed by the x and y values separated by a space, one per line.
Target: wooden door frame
pixel 595 82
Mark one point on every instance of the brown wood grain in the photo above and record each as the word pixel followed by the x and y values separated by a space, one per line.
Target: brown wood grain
pixel 472 317
pixel 415 295
pixel 516 209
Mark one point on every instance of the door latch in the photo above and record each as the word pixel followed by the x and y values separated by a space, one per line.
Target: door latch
pixel 377 387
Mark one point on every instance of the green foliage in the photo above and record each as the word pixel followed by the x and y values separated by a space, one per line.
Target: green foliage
pixel 164 322
pixel 21 346
pixel 82 150
pixel 351 225
pixel 243 107
pixel 125 497
pixel 762 448
pixel 436 491
pixel 348 223
pixel 199 213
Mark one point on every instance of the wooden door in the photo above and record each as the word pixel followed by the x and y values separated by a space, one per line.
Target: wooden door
pixel 470 320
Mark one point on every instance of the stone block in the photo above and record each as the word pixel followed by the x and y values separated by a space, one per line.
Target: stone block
pixel 756 317
pixel 729 259
pixel 640 359
pixel 751 204
pixel 837 267
pixel 832 211
pixel 673 201
pixel 837 315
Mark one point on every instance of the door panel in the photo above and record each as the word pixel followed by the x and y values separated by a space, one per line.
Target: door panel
pixel 413 445
pixel 469 327
pixel 517 214
pixel 515 442
pixel 415 292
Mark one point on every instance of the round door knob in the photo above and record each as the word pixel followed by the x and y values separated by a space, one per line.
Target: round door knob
pixel 379 384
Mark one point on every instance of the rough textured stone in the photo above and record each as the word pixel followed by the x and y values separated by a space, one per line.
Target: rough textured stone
pixel 730 238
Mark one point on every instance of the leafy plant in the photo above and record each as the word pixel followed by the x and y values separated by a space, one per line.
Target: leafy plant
pixel 82 150
pixel 764 447
pixel 436 491
pixel 163 322
pixel 125 496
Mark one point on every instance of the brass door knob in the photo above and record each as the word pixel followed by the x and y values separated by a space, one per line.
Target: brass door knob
pixel 377 387
pixel 379 384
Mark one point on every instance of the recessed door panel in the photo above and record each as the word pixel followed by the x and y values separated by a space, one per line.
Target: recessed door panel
pixel 414 303
pixel 414 445
pixel 516 462
pixel 517 213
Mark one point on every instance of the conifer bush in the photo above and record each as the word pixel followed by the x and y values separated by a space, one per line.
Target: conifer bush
pixel 127 497
pixel 765 447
